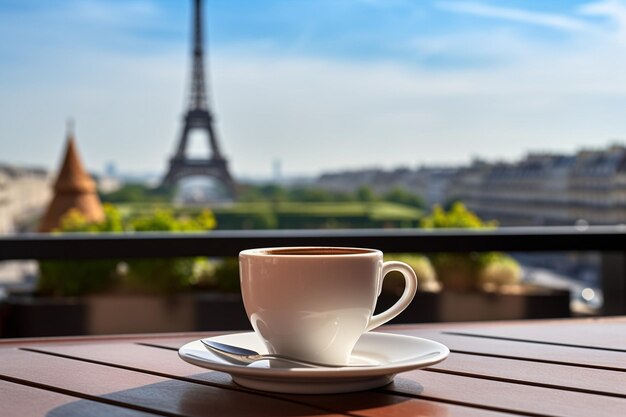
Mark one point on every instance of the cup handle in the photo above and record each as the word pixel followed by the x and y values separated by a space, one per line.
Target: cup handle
pixel 410 288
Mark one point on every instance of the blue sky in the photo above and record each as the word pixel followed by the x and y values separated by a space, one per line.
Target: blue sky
pixel 319 85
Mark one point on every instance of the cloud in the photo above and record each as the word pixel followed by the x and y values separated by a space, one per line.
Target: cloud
pixel 385 3
pixel 66 26
pixel 473 48
pixel 128 12
pixel 313 112
pixel 614 10
pixel 317 112
pixel 555 21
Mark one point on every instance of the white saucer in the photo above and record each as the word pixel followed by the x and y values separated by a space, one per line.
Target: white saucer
pixel 388 353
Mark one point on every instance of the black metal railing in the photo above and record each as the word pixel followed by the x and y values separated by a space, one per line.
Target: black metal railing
pixel 609 241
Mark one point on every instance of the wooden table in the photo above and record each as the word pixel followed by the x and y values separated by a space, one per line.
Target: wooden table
pixel 542 368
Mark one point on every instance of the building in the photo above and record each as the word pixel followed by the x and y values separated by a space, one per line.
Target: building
pixel 588 187
pixel 533 191
pixel 73 189
pixel 24 194
pixel 547 189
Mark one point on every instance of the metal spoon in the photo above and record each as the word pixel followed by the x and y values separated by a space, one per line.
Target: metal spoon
pixel 241 356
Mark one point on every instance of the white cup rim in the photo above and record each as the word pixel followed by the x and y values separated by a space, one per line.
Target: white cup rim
pixel 346 252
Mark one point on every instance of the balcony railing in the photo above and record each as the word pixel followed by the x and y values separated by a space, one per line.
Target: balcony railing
pixel 609 241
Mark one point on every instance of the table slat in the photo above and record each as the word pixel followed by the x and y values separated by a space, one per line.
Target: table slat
pixel 501 395
pixel 595 335
pixel 166 362
pixel 139 390
pixel 18 400
pixel 542 374
pixel 600 359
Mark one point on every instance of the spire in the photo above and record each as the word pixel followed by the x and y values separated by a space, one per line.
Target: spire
pixel 198 100
pixel 69 127
pixel 73 189
pixel 72 176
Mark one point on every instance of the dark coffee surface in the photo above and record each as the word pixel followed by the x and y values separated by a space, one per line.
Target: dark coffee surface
pixel 317 251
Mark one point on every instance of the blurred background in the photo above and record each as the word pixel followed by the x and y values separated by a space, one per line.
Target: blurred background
pixel 195 116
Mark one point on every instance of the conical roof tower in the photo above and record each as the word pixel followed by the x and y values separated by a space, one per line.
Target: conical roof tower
pixel 73 189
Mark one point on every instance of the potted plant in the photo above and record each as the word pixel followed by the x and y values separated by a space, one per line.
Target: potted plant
pixel 485 286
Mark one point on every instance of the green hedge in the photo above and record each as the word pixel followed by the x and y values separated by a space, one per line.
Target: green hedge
pixel 302 215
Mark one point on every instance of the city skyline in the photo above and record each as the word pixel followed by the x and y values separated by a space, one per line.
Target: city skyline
pixel 367 83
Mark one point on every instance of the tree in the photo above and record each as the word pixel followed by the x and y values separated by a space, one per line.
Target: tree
pixel 366 194
pixel 139 193
pixel 402 196
pixel 274 193
pixel 310 194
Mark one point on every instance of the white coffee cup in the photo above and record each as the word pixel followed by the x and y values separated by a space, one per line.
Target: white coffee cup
pixel 314 303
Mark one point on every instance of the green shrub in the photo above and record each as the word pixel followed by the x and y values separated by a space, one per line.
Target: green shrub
pixel 74 278
pixel 162 275
pixel 426 277
pixel 165 275
pixel 468 271
pixel 498 269
pixel 456 271
pixel 458 217
pixel 159 275
pixel 226 276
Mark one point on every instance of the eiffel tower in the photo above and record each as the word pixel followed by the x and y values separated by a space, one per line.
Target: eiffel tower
pixel 199 116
